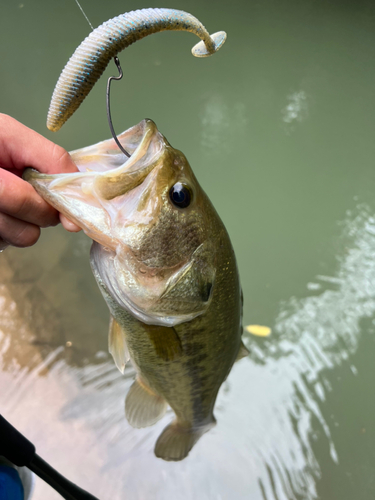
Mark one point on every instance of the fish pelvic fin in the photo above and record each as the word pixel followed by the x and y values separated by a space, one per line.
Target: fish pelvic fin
pixel 143 407
pixel 117 344
pixel 243 351
pixel 176 441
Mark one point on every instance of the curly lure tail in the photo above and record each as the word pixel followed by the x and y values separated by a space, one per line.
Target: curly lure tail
pixel 91 58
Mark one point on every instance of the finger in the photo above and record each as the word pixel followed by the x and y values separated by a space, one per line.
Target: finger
pixel 20 200
pixel 18 233
pixel 22 147
pixel 68 225
pixel 3 245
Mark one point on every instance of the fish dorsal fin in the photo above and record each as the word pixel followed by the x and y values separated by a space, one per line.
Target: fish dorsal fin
pixel 117 344
pixel 143 407
pixel 243 351
pixel 165 340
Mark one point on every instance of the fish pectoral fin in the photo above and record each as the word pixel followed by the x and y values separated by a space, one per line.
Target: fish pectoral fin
pixel 143 407
pixel 165 340
pixel 117 344
pixel 176 441
pixel 243 351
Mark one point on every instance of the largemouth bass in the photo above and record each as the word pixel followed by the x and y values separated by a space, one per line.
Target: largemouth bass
pixel 165 265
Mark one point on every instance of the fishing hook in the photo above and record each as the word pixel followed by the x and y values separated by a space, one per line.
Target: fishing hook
pixel 120 75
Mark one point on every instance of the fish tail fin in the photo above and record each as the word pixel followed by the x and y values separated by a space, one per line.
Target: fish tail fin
pixel 143 407
pixel 176 441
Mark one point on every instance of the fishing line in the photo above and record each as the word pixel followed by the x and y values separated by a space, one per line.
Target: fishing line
pixel 117 62
pixel 83 12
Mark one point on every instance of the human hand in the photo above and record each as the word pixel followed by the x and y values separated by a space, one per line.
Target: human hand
pixel 22 211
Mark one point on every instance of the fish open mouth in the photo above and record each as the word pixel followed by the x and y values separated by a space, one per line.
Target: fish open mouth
pixel 105 174
pixel 122 204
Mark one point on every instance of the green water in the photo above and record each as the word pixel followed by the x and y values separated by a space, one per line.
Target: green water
pixel 279 129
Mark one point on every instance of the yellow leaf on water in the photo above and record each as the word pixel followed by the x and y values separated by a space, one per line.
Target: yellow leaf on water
pixel 259 330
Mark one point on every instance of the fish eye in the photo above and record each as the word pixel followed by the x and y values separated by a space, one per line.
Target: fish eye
pixel 180 195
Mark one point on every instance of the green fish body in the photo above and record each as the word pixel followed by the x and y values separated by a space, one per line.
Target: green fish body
pixel 165 265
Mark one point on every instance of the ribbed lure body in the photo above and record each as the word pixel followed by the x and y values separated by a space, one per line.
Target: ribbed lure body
pixel 91 58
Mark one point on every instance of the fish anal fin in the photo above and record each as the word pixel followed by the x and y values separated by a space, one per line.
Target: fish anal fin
pixel 243 351
pixel 176 441
pixel 143 407
pixel 117 344
pixel 165 340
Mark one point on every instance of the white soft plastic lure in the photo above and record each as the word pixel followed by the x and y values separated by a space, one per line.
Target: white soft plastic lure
pixel 91 58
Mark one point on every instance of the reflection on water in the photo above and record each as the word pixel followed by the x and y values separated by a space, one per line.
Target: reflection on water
pixel 42 300
pixel 221 123
pixel 69 398
pixel 297 108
